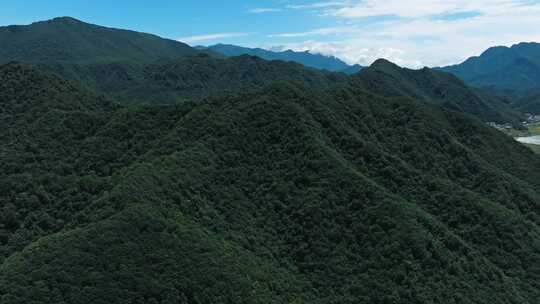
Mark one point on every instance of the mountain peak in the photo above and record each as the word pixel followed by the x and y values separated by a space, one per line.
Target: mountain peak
pixel 501 68
pixel 495 51
pixel 68 39
pixel 384 64
pixel 63 20
pixel 66 19
pixel 526 44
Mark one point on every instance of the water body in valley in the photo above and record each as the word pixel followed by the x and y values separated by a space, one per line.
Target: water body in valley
pixel 532 140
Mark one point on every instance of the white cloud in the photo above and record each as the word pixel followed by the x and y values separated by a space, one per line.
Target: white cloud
pixel 319 5
pixel 315 32
pixel 262 10
pixel 207 37
pixel 422 8
pixel 353 52
pixel 414 37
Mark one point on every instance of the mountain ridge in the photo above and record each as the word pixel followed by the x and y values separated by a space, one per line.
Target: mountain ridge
pixel 68 39
pixel 437 87
pixel 140 68
pixel 318 61
pixel 513 72
pixel 485 70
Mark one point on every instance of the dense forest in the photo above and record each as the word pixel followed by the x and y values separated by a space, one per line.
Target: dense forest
pixel 67 39
pixel 186 177
pixel 169 81
pixel 431 86
pixel 192 77
pixel 286 194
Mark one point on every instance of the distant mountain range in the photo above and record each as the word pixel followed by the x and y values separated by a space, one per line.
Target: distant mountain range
pixel 317 61
pixel 508 71
pixel 140 68
pixel 515 68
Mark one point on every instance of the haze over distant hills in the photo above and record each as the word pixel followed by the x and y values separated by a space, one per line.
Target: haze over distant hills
pixel 317 61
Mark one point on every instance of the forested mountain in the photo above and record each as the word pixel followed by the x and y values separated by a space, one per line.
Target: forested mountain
pixel 69 40
pixel 317 61
pixel 388 79
pixel 513 69
pixel 190 77
pixel 284 194
pixel 195 77
pixel 139 68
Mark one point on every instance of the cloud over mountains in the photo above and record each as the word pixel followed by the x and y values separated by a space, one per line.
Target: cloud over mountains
pixel 413 33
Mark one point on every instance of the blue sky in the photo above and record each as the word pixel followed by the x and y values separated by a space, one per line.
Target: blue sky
pixel 411 33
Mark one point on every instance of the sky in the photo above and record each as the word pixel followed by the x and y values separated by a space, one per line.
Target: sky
pixel 411 33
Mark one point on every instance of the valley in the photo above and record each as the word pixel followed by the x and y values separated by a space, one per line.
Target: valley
pixel 531 138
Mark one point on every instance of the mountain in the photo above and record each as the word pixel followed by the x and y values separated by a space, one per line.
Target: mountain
pixel 317 61
pixel 169 81
pixel 431 86
pixel 69 40
pixel 281 194
pixel 201 76
pixel 139 68
pixel 513 69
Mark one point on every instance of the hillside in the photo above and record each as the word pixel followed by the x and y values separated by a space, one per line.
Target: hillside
pixel 291 194
pixel 529 104
pixel 431 86
pixel 515 69
pixel 317 61
pixel 69 40
pixel 190 77
pixel 196 77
